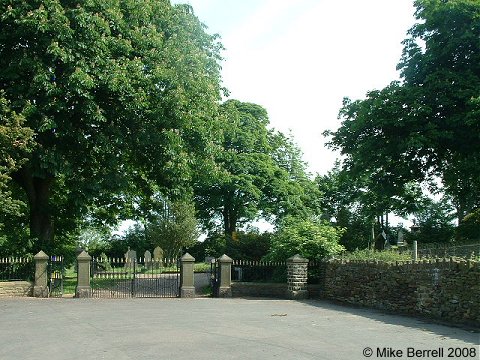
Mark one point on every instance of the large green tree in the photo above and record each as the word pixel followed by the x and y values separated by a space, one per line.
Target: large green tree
pixel 257 172
pixel 119 94
pixel 427 125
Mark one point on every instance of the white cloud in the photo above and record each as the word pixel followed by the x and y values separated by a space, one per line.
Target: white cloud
pixel 331 50
pixel 299 58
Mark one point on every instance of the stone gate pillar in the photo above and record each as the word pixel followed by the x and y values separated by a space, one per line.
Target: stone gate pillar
pixel 187 276
pixel 297 270
pixel 83 275
pixel 225 276
pixel 40 288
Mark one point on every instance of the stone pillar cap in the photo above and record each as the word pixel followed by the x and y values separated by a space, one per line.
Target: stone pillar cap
pixel 187 257
pixel 84 256
pixel 41 256
pixel 225 258
pixel 297 258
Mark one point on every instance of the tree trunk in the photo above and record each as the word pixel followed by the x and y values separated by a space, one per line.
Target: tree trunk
pixel 38 191
pixel 229 222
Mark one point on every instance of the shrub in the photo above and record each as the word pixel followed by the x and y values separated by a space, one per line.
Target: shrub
pixel 311 238
pixel 384 255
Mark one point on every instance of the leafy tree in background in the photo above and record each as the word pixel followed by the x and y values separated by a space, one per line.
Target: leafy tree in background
pixel 258 173
pixel 356 204
pixel 341 206
pixel 434 221
pixel 428 125
pixel 120 94
pixel 174 230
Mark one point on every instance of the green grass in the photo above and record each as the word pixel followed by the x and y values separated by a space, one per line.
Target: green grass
pixel 375 255
pixel 201 267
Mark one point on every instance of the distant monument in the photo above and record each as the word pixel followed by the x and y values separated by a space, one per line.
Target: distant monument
pixel 130 256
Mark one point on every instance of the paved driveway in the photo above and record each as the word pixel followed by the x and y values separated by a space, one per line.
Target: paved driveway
pixel 207 328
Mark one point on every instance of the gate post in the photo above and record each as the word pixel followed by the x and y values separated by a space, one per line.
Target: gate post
pixel 40 288
pixel 83 275
pixel 225 273
pixel 297 272
pixel 187 278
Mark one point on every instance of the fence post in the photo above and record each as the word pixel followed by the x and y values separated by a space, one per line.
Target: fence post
pixel 225 274
pixel 297 272
pixel 415 251
pixel 40 288
pixel 187 278
pixel 83 275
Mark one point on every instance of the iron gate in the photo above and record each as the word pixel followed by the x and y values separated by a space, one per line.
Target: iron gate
pixel 125 278
pixel 214 277
pixel 56 274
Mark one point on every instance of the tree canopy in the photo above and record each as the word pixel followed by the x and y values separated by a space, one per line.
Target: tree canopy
pixel 119 95
pixel 258 172
pixel 428 124
pixel 15 144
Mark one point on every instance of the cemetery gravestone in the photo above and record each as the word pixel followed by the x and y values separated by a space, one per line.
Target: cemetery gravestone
pixel 130 256
pixel 158 256
pixel 147 258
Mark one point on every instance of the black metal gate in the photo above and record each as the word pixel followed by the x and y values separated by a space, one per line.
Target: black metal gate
pixel 56 274
pixel 125 278
pixel 214 278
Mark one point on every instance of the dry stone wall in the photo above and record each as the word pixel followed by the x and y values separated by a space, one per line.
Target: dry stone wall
pixel 15 288
pixel 447 290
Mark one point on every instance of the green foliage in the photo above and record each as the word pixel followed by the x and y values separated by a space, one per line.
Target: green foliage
pixel 370 255
pixel 15 144
pixel 311 238
pixel 435 223
pixel 94 240
pixel 257 173
pixel 469 228
pixel 120 94
pixel 250 245
pixel 343 204
pixel 246 245
pixel 427 125
pixel 174 231
pixel 214 245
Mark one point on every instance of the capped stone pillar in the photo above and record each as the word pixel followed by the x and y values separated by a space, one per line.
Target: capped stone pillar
pixel 225 276
pixel 187 278
pixel 297 270
pixel 83 289
pixel 40 288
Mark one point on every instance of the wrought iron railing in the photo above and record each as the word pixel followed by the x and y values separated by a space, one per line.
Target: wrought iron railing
pixel 17 268
pixel 259 271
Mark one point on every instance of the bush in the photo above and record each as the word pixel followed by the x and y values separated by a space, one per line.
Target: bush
pixel 311 238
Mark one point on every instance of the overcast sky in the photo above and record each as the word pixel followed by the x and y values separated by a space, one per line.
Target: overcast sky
pixel 299 58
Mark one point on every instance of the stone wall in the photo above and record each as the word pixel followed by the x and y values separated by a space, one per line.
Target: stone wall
pixel 269 290
pixel 446 290
pixel 15 288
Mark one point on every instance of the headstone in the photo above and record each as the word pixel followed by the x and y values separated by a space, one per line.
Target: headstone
pixel 158 257
pixel 130 256
pixel 147 257
pixel 400 237
pixel 158 254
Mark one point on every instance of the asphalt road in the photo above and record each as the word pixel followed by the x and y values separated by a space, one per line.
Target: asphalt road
pixel 205 328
